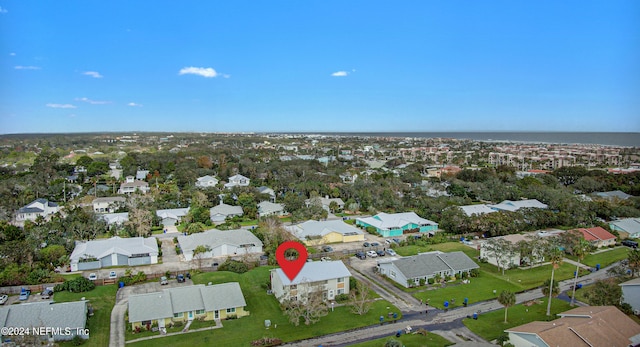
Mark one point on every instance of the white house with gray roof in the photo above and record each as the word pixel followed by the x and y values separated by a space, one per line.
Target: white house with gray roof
pixel 627 225
pixel 480 209
pixel 59 317
pixel 222 243
pixel 267 208
pixel 183 304
pixel 322 232
pixel 206 182
pixel 172 216
pixel 108 204
pixel 331 278
pixel 220 213
pixel 509 205
pixel 37 208
pixel 115 219
pixel 115 251
pixel 237 181
pixel 410 270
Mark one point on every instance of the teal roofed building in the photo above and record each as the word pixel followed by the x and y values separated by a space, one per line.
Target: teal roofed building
pixel 394 224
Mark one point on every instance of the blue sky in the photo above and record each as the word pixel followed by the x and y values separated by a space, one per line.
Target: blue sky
pixel 75 66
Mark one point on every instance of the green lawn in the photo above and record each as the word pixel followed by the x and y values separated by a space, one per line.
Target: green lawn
pixel 412 340
pixel 102 299
pixel 240 332
pixel 490 325
pixel 606 258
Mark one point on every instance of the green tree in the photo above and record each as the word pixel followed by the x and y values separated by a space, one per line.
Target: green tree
pixel 507 299
pixel 634 261
pixel 199 252
pixel 605 292
pixel 53 254
pixel 84 161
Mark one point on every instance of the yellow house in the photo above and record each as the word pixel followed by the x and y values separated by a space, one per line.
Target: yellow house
pixel 322 232
pixel 183 304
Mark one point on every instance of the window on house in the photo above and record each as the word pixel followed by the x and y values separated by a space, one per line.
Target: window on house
pixel 340 291
pixel 146 322
pixel 231 310
pixel 293 286
pixel 341 279
pixel 392 274
pixel 199 311
pixel 178 315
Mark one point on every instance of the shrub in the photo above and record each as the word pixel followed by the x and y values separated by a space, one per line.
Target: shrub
pixel 474 272
pixel 76 285
pixel 342 297
pixel 422 281
pixel 431 280
pixel 78 341
pixel 234 266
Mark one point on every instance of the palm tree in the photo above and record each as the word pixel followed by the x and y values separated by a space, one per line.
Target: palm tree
pixel 507 299
pixel 580 250
pixel 555 257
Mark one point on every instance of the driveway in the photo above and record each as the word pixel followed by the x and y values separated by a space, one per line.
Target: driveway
pixel 118 325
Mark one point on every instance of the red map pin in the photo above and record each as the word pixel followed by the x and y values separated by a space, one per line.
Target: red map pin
pixel 291 268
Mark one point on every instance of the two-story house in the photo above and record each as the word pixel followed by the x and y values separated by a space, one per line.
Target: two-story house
pixel 206 182
pixel 36 208
pixel 132 185
pixel 330 278
pixel 108 204
pixel 237 181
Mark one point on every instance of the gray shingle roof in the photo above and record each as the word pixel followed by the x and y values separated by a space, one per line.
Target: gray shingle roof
pixel 321 228
pixel 630 225
pixel 316 271
pixel 226 210
pixel 165 304
pixel 427 264
pixel 45 314
pixel 128 246
pixel 214 238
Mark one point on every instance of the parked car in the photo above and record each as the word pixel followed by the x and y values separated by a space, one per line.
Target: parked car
pixel 387 241
pixel 163 280
pixel 391 252
pixel 372 254
pixel 325 259
pixel 380 253
pixel 366 244
pixel 374 244
pixel 93 276
pixel 361 255
pixel 24 294
pixel 180 278
pixel 327 249
pixel 630 243
pixel 396 241
pixel 47 293
pixel 3 299
pixel 112 275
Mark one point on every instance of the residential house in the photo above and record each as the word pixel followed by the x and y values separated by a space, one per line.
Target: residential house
pixel 172 216
pixel 220 213
pixel 631 294
pixel 326 202
pixel 37 208
pixel 237 181
pixel 184 304
pixel 115 251
pixel 583 326
pixel 131 186
pixel 597 236
pixel 115 219
pixel 395 224
pixel 331 278
pixel 613 195
pixel 108 205
pixel 267 191
pixel 515 258
pixel 409 271
pixel 141 175
pixel 267 208
pixel 477 210
pixel 223 243
pixel 627 225
pixel 323 232
pixel 56 318
pixel 206 182
pixel 512 206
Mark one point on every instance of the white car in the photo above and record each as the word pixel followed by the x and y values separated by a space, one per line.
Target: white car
pixel 391 252
pixel 112 275
pixel 3 299
pixel 372 254
pixel 93 276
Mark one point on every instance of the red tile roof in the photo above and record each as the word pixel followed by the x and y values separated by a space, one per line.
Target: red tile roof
pixel 595 234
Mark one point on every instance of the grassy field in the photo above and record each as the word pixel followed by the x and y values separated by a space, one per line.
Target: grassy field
pixel 240 332
pixel 102 299
pixel 606 258
pixel 412 340
pixel 491 325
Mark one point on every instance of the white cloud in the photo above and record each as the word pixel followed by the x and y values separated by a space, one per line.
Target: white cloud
pixel 201 71
pixel 93 74
pixel 339 74
pixel 60 106
pixel 93 102
pixel 12 54
pixel 21 67
pixel 133 104
pixel 2 10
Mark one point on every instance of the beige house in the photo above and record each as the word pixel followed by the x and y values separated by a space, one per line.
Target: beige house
pixel 183 304
pixel 322 232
